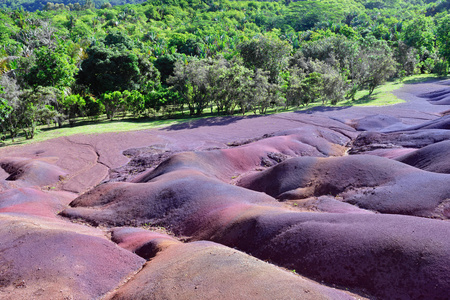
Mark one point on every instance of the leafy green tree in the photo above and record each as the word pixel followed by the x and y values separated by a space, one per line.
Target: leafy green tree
pixel 443 37
pixel 135 102
pixel 311 87
pixel 5 110
pixel 52 68
pixel 418 33
pixel 72 104
pixel 12 106
pixel 372 66
pixel 36 107
pixel 110 69
pixel 294 88
pixel 268 54
pixel 407 58
pixel 113 102
pixel 190 82
pixel 231 85
pixel 119 40
pixel 160 97
pixel 264 94
pixel 166 65
pixel 336 51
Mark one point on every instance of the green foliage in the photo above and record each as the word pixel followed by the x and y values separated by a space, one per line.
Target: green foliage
pixel 268 54
pixel 441 68
pixel 113 101
pixel 224 57
pixel 111 69
pixel 443 37
pixel 418 33
pixel 72 104
pixel 51 68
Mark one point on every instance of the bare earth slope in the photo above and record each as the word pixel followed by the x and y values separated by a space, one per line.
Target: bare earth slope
pixel 307 205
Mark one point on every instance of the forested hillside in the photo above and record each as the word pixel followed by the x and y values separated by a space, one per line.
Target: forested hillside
pixel 224 57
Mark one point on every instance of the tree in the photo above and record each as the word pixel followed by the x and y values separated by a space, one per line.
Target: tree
pixel 72 104
pixel 264 94
pixel 407 59
pixel 36 107
pixel 52 68
pixel 166 65
pixel 110 69
pixel 12 106
pixel 418 33
pixel 443 38
pixel 26 108
pixel 112 101
pixel 231 86
pixel 372 66
pixel 190 82
pixel 5 110
pixel 135 102
pixel 268 54
pixel 294 88
pixel 336 51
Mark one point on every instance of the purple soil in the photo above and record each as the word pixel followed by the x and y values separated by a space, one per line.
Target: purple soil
pixel 370 182
pixel 369 141
pixel 375 122
pixel 46 259
pixel 193 193
pixel 144 243
pixel 171 199
pixel 393 257
pixel 32 172
pixel 440 97
pixel 205 270
pixel 326 204
pixel 432 158
pixel 34 202
pixel 225 164
pixel 205 209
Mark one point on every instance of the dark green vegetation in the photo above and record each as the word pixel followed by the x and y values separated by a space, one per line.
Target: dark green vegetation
pixel 223 57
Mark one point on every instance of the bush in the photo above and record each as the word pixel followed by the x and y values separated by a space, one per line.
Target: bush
pixel 441 68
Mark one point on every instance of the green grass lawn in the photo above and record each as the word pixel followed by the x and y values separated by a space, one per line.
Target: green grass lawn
pixel 382 95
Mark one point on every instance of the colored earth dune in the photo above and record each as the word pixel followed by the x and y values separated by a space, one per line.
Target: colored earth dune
pixel 331 203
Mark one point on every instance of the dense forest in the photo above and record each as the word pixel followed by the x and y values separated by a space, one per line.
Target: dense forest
pixel 68 60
